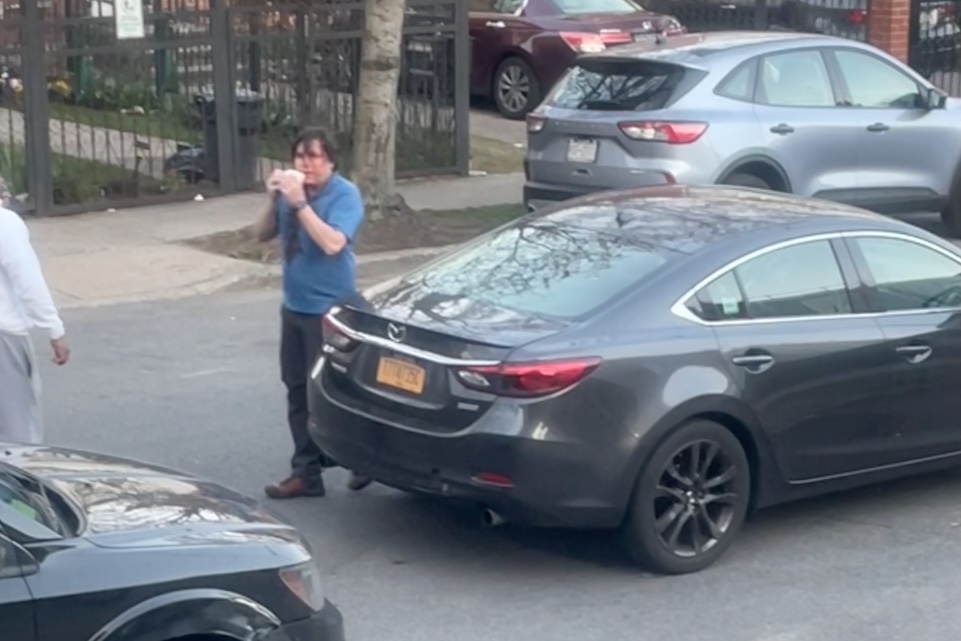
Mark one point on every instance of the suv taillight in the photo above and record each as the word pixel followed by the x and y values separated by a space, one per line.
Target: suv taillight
pixel 535 123
pixel 673 133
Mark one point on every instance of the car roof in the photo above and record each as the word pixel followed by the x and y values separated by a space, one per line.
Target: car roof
pixel 686 219
pixel 700 48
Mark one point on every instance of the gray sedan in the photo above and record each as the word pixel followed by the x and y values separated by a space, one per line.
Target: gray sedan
pixel 661 361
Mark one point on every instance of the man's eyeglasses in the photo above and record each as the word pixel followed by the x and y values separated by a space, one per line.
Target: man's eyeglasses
pixel 309 155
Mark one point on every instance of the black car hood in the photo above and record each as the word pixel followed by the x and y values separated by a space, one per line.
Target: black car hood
pixel 126 503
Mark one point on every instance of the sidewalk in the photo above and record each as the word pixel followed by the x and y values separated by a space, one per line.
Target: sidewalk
pixel 104 258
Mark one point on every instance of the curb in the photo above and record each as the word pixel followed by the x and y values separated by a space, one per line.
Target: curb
pixel 254 276
pixel 205 287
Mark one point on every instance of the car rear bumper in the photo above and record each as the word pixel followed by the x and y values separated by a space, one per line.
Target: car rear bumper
pixel 554 484
pixel 540 194
pixel 326 625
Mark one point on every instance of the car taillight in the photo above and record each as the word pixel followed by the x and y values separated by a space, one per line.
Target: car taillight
pixel 593 42
pixel 857 16
pixel 528 379
pixel 535 123
pixel 674 133
pixel 335 337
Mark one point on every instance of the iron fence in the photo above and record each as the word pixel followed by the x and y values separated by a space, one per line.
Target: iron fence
pixel 842 18
pixel 935 42
pixel 209 99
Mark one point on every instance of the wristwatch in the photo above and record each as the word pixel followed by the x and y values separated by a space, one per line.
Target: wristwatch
pixel 297 206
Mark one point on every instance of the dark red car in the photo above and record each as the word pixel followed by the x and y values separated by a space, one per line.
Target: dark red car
pixel 522 47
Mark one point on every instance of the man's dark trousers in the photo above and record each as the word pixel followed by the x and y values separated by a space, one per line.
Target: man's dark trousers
pixel 301 340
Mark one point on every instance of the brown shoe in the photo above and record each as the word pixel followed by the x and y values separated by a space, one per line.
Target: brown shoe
pixel 295 486
pixel 358 482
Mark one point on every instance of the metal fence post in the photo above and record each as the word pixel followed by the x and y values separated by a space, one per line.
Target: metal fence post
pixel 224 93
pixel 304 50
pixel 36 110
pixel 462 64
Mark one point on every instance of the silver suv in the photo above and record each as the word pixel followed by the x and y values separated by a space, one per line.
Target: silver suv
pixel 802 113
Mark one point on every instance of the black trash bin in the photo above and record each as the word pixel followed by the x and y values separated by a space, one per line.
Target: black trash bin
pixel 249 121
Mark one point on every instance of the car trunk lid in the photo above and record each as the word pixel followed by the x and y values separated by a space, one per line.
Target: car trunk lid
pixel 402 363
pixel 612 113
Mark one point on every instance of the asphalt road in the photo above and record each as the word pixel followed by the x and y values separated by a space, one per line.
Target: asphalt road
pixel 194 384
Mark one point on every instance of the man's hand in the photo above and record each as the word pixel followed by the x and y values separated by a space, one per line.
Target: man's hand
pixel 61 351
pixel 291 185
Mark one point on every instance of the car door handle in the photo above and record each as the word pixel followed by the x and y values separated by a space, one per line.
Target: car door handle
pixel 914 353
pixel 495 24
pixel 754 362
pixel 878 127
pixel 782 129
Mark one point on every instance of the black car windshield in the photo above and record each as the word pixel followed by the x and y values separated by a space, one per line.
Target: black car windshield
pixel 574 7
pixel 544 268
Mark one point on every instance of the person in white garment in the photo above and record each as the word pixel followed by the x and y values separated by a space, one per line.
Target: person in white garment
pixel 25 304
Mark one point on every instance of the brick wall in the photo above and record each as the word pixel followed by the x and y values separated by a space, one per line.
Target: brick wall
pixel 888 26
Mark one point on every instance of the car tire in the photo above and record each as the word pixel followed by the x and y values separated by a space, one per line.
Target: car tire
pixel 951 216
pixel 746 180
pixel 515 88
pixel 673 526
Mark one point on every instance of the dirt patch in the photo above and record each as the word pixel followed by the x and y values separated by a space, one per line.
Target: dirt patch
pixel 423 229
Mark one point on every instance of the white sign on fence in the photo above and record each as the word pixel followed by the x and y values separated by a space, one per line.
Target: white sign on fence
pixel 128 15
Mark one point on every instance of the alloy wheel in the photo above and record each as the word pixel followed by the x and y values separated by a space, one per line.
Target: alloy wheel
pixel 696 498
pixel 514 88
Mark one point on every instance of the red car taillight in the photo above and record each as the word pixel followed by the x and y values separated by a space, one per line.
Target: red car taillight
pixel 673 133
pixel 857 17
pixel 582 42
pixel 335 337
pixel 528 380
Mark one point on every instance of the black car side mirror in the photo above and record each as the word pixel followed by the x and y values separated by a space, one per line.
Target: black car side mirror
pixel 15 560
pixel 933 98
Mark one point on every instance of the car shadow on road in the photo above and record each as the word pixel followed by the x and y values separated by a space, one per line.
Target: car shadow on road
pixel 918 504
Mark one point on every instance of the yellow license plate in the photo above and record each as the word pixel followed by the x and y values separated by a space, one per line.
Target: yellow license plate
pixel 400 374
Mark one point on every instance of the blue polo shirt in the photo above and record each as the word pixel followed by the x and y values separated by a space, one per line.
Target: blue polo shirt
pixel 312 280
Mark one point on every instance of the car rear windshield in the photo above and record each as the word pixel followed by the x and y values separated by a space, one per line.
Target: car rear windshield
pixel 544 269
pixel 574 7
pixel 617 86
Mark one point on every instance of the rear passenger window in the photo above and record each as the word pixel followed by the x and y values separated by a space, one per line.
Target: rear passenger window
pixel 721 300
pixel 795 79
pixel 796 281
pixel 739 84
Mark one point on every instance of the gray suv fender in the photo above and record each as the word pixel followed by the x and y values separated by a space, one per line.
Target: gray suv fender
pixel 735 166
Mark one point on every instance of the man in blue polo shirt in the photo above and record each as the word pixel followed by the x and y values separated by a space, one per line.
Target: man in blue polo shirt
pixel 315 211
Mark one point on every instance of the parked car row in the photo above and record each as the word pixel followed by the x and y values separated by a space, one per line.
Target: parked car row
pixel 521 48
pixel 798 113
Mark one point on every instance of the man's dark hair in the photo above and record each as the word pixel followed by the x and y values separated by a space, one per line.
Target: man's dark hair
pixel 307 138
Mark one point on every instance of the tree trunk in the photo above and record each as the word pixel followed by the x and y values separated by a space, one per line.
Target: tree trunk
pixel 375 117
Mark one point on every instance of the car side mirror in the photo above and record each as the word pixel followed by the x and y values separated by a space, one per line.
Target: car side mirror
pixel 933 98
pixel 16 560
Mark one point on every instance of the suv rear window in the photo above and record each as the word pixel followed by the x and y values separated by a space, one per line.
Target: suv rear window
pixel 574 7
pixel 617 86
pixel 543 268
